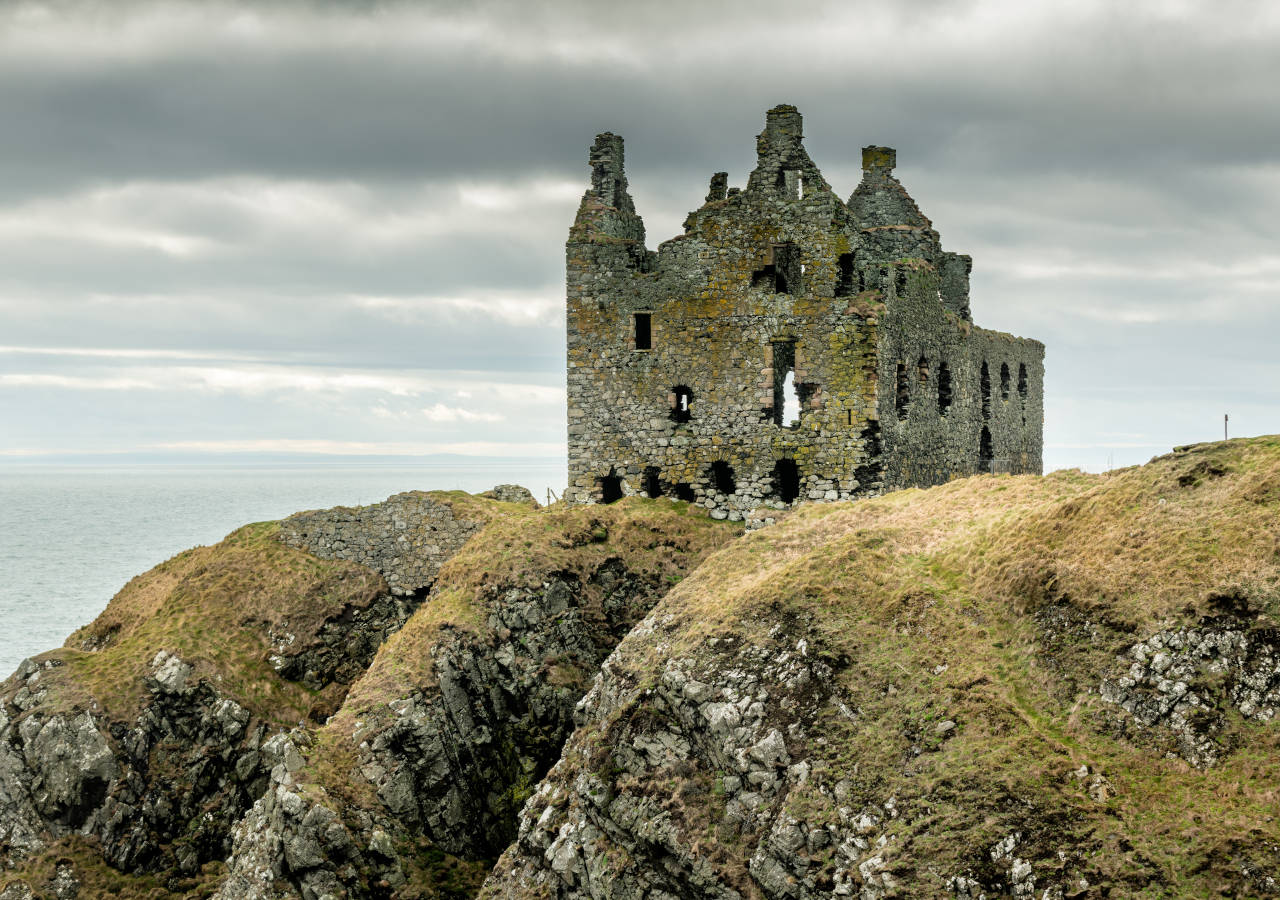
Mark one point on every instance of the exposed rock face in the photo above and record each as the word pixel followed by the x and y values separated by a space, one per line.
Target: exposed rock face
pixel 1179 680
pixel 158 794
pixel 1048 688
pixel 405 538
pixel 460 752
pixel 158 772
pixel 705 760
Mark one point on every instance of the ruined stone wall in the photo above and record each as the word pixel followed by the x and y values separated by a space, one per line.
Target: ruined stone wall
pixel 406 538
pixel 754 277
pixel 678 360
pixel 932 403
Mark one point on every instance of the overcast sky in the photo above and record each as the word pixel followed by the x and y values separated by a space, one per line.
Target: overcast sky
pixel 339 227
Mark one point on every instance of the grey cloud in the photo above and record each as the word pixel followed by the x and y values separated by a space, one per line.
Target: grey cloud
pixel 1111 168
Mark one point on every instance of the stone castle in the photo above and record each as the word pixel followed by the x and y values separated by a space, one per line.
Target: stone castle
pixel 788 346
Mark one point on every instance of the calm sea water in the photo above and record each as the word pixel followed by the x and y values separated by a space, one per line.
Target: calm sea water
pixel 70 537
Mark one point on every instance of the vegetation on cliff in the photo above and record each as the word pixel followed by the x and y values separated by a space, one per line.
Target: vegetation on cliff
pixel 1054 687
pixel 1060 686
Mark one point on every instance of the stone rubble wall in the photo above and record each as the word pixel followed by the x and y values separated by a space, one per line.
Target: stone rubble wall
pixel 406 538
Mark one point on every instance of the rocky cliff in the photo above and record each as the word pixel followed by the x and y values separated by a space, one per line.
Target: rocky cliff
pixel 1028 687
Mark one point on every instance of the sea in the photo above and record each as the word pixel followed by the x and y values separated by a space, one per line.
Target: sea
pixel 72 535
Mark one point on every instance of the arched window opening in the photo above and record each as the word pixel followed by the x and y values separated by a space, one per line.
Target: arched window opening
pixel 722 477
pixel 786 480
pixel 944 388
pixel 652 484
pixel 985 455
pixel 611 487
pixel 681 403
pixel 984 384
pixel 903 397
pixel 644 331
pixel 1004 382
pixel 684 492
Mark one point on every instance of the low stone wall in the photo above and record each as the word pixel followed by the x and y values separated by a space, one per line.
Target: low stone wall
pixel 406 538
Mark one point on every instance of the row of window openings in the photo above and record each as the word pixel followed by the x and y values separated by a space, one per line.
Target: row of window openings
pixel 785 413
pixel 783 276
pixel 784 479
pixel 903 398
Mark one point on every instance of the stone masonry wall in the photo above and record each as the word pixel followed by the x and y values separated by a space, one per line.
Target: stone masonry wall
pixel 406 538
pixel 680 362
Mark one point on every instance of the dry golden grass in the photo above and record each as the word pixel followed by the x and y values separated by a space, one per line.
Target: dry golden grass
pixel 960 576
pixel 216 607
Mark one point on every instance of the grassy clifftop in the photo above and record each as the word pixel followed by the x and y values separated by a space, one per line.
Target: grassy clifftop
pixel 1005 686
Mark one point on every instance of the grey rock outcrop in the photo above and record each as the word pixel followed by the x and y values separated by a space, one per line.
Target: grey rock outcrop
pixel 1178 680
pixel 406 538
pixel 459 757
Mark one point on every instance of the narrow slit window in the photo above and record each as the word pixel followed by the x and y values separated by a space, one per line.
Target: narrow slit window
pixel 902 398
pixel 944 388
pixel 986 458
pixel 1022 382
pixel 984 384
pixel 1004 382
pixel 644 330
pixel 922 372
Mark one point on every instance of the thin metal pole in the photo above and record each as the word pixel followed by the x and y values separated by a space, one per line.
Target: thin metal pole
pixel 1224 426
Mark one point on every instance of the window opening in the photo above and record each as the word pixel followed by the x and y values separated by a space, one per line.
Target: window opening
pixel 684 492
pixel 903 397
pixel 722 477
pixel 611 487
pixel 791 183
pixel 786 268
pixel 652 485
pixel 922 372
pixel 844 275
pixel 1004 382
pixel 985 457
pixel 786 399
pixel 786 480
pixel 790 402
pixel 944 387
pixel 902 282
pixel 984 383
pixel 683 400
pixel 1022 390
pixel 644 331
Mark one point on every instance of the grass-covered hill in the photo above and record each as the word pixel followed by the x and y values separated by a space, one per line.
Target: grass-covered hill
pixel 1056 687
pixel 1033 687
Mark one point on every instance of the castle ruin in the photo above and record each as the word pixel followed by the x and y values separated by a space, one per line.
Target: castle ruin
pixel 787 346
